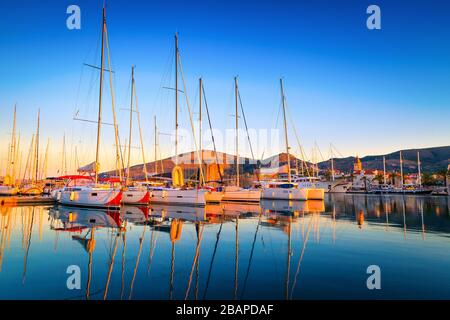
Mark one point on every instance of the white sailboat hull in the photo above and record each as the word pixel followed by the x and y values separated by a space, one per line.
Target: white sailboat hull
pixel 327 186
pixel 91 197
pixel 213 196
pixel 8 191
pixel 244 195
pixel 300 194
pixel 192 197
pixel 136 196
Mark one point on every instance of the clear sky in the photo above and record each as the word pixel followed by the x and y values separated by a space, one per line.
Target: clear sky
pixel 366 91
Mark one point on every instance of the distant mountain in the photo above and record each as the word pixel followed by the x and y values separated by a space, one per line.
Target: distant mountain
pixel 432 160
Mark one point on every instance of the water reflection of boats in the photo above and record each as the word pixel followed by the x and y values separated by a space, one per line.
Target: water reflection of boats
pixel 289 207
pixel 135 214
pixel 189 213
pixel 241 209
pixel 80 218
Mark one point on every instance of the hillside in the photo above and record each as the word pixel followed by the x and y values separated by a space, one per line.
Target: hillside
pixel 432 159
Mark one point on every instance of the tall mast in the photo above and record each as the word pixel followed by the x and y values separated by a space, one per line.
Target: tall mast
pixel 384 169
pixel 401 168
pixel 156 147
pixel 140 133
pixel 119 159
pixel 176 98
pixel 285 131
pixel 236 92
pixel 63 158
pixel 13 150
pixel 131 125
pixel 419 177
pixel 332 163
pixel 200 119
pixel 102 66
pixel 37 147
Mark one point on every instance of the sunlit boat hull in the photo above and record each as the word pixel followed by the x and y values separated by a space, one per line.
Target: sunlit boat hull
pixel 91 197
pixel 139 196
pixel 31 190
pixel 8 191
pixel 315 194
pixel 213 196
pixel 240 194
pixel 190 197
pixel 328 186
pixel 295 194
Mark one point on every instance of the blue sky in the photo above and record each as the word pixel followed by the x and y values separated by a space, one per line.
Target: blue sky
pixel 367 92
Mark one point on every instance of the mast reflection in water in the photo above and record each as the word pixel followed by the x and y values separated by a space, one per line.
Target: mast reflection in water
pixel 272 250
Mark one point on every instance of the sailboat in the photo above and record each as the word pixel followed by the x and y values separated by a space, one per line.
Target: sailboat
pixel 417 187
pixel 281 189
pixel 237 193
pixel 212 194
pixel 135 193
pixel 179 193
pixel 34 188
pixel 94 194
pixel 9 188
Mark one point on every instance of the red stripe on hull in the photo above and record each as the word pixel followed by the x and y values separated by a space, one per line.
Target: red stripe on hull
pixel 145 199
pixel 116 201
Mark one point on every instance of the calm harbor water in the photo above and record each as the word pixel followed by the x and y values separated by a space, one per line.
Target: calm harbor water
pixel 276 250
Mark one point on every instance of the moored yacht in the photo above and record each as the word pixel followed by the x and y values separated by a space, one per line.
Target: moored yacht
pixel 236 193
pixel 286 190
pixel 136 194
pixel 8 190
pixel 89 194
pixel 178 196
pixel 279 190
pixel 95 193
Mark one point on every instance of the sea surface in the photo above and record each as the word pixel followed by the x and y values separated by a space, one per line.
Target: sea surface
pixel 275 250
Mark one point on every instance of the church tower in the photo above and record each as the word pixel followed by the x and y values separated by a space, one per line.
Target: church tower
pixel 357 165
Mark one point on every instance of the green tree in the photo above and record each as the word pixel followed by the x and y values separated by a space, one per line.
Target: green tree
pixel 442 173
pixel 392 176
pixel 379 177
pixel 327 175
pixel 427 179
